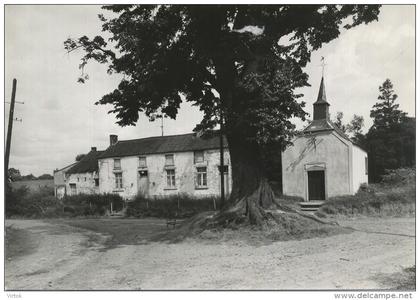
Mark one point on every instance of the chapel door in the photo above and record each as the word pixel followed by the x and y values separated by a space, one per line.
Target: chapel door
pixel 316 185
pixel 143 183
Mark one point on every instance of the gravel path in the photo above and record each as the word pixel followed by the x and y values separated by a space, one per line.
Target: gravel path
pixel 75 259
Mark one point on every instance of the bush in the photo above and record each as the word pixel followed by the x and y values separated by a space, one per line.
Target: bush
pixel 180 206
pixel 41 204
pixel 25 203
pixel 92 205
pixel 399 177
pixel 394 196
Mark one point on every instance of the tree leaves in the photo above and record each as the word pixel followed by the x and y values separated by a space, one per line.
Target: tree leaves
pixel 163 51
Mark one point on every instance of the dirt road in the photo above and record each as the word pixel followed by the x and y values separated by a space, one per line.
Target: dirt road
pixel 69 258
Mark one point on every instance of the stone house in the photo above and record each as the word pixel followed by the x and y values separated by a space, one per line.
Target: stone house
pixel 164 165
pixel 82 178
pixel 323 162
pixel 60 178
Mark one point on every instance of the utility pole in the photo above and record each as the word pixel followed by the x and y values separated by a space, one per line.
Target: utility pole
pixel 9 129
pixel 222 164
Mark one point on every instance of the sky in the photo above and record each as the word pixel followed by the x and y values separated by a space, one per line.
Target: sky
pixel 60 120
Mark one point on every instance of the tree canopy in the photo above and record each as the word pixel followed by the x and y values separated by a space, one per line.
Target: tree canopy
pixel 391 139
pixel 165 51
pixel 240 64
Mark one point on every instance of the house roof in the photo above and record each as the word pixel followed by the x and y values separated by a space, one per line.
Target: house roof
pixel 163 144
pixel 66 167
pixel 89 163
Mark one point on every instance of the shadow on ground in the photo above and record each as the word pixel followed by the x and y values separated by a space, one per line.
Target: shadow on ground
pixel 113 232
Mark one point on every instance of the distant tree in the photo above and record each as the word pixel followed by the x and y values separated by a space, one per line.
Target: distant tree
pixel 14 174
pixel 165 51
pixel 391 139
pixel 29 177
pixel 354 128
pixel 338 121
pixel 46 176
pixel 79 157
pixel 385 112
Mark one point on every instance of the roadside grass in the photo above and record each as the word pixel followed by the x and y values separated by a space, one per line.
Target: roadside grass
pixel 24 203
pixel 18 242
pixel 394 196
pixel 406 280
pixel 400 281
pixel 174 206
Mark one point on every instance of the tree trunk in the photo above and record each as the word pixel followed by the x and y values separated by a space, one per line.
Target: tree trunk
pixel 251 193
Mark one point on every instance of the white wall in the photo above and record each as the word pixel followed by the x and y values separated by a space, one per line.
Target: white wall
pixel 359 171
pixel 85 183
pixel 184 174
pixel 329 150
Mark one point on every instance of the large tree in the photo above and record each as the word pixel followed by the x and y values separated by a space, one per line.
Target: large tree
pixel 391 139
pixel 386 112
pixel 238 63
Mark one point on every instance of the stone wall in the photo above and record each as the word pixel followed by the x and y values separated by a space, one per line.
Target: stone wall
pixel 185 175
pixel 85 183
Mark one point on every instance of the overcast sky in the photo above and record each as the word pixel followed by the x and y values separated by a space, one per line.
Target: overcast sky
pixel 60 120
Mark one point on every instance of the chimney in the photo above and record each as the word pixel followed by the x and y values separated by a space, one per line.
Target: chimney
pixel 113 139
pixel 93 149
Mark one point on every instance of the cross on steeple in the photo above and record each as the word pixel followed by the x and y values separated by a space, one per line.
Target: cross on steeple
pixel 323 64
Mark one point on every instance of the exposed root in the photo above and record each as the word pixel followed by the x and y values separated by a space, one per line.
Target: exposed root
pixel 261 212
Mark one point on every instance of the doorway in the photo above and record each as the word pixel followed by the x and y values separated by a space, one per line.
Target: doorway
pixel 316 185
pixel 225 179
pixel 143 183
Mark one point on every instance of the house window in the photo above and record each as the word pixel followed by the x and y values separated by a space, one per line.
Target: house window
pixel 78 179
pixel 117 164
pixel 85 178
pixel 96 181
pixel 142 162
pixel 73 190
pixel 201 179
pixel 366 166
pixel 118 181
pixel 198 156
pixel 169 160
pixel 170 178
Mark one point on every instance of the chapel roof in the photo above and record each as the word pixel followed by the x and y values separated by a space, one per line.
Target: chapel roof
pixel 324 124
pixel 322 96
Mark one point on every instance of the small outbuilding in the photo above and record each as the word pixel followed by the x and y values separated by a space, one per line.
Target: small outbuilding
pixel 323 161
pixel 83 177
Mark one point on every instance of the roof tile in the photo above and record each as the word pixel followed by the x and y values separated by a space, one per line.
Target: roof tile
pixel 163 144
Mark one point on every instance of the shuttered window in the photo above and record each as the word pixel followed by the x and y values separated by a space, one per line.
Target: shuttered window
pixel 198 156
pixel 142 162
pixel 201 177
pixel 170 178
pixel 118 181
pixel 169 160
pixel 117 164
